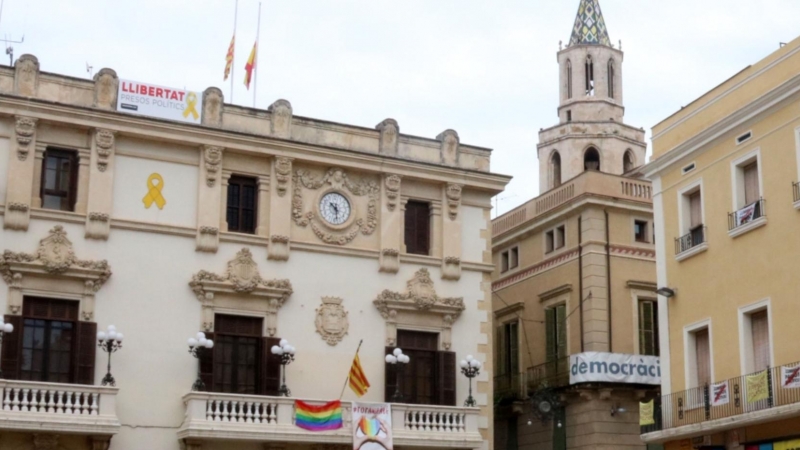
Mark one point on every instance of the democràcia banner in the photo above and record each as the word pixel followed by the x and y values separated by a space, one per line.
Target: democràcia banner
pixel 594 367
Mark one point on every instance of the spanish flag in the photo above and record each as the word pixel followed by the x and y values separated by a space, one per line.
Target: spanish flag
pixel 229 58
pixel 250 66
pixel 358 381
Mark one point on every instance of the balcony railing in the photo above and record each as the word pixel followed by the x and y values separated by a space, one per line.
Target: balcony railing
pixel 747 214
pixel 215 416
pixel 796 190
pixel 690 240
pixel 554 373
pixel 510 385
pixel 727 399
pixel 54 407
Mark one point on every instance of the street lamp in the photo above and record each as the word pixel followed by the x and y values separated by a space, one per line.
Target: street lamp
pixel 110 341
pixel 197 345
pixel 4 328
pixel 397 359
pixel 470 367
pixel 286 352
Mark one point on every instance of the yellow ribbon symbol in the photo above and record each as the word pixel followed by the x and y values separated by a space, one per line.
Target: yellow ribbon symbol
pixel 154 192
pixel 191 106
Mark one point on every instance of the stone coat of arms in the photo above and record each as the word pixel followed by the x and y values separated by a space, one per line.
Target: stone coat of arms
pixel 331 320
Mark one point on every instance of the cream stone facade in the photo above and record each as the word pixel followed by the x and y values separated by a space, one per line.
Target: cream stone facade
pixel 725 193
pixel 147 248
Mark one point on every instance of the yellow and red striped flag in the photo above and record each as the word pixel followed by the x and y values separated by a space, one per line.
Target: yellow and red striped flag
pixel 358 381
pixel 229 58
pixel 250 66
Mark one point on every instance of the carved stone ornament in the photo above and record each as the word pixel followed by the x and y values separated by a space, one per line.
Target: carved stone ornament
pixel 338 179
pixel 420 295
pixel 213 102
pixel 283 173
pixel 212 156
pixel 392 184
pixel 453 193
pixel 55 256
pixel 105 89
pixel 449 147
pixel 331 321
pixel 26 76
pixel 281 118
pixel 25 129
pixel 389 136
pixel 105 146
pixel 213 231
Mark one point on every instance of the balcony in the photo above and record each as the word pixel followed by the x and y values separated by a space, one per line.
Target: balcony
pixel 256 418
pixel 704 410
pixel 554 374
pixel 691 243
pixel 58 408
pixel 748 218
pixel 796 194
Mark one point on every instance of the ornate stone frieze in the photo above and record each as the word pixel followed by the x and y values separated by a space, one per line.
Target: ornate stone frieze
pixel 283 173
pixel 105 147
pixel 98 225
pixel 278 239
pixel 392 185
pixel 212 156
pixel 25 129
pixel 16 206
pixel 453 193
pixel 390 252
pixel 389 138
pixel 99 217
pixel 331 320
pixel 213 231
pixel 338 179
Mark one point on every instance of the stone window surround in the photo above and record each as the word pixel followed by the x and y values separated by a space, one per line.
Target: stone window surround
pixel 745 333
pixel 649 232
pixel 82 184
pixel 556 250
pixel 637 295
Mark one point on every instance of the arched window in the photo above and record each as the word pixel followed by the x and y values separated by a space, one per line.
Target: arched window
pixel 591 159
pixel 628 162
pixel 555 170
pixel 611 78
pixel 589 76
pixel 569 79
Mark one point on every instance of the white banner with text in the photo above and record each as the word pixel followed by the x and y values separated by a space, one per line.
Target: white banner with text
pixel 159 101
pixel 597 367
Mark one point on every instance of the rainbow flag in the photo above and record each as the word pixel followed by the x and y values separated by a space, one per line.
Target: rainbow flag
pixel 318 418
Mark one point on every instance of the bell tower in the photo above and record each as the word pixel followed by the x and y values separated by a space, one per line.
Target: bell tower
pixel 590 134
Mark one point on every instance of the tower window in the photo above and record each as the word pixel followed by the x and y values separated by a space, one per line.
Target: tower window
pixel 591 159
pixel 569 79
pixel 627 162
pixel 569 115
pixel 610 78
pixel 589 77
pixel 555 168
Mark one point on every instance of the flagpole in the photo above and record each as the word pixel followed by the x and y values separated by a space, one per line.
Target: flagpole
pixel 348 373
pixel 233 62
pixel 255 75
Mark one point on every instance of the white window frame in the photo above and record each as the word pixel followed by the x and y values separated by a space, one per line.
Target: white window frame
pixel 637 296
pixel 797 158
pixel 684 213
pixel 690 352
pixel 737 177
pixel 746 334
pixel 556 248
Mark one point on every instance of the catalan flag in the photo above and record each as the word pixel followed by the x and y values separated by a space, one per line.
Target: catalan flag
pixel 318 418
pixel 358 381
pixel 229 58
pixel 250 66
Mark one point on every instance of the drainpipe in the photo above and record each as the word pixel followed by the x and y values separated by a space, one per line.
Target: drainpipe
pixel 608 282
pixel 580 277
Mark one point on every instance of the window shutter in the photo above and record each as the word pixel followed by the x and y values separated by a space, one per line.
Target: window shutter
pixel 751 191
pixel 446 378
pixel 695 210
pixel 206 362
pixel 513 348
pixel 703 353
pixel 86 351
pixel 423 229
pixel 550 342
pixel 759 324
pixel 270 367
pixel 391 378
pixel 561 326
pixel 11 348
pixel 501 351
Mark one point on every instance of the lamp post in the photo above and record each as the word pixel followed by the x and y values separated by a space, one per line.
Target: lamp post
pixel 397 359
pixel 109 341
pixel 471 368
pixel 4 328
pixel 286 352
pixel 198 345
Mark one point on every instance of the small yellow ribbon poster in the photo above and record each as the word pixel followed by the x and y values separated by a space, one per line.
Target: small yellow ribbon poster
pixel 646 416
pixel 154 185
pixel 757 387
pixel 191 106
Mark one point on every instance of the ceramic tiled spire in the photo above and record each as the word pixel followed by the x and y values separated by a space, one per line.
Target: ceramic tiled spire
pixel 590 27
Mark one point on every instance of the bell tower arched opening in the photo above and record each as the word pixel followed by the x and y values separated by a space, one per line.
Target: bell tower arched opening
pixel 555 170
pixel 591 159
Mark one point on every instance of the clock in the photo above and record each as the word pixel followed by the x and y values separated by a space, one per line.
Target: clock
pixel 334 208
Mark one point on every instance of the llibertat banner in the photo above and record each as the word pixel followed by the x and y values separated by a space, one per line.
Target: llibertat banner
pixel 158 101
pixel 372 426
pixel 598 367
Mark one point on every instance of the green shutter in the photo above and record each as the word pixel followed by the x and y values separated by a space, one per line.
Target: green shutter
pixel 561 326
pixel 513 348
pixel 501 350
pixel 648 328
pixel 550 333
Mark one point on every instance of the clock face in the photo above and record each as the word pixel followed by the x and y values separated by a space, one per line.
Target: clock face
pixel 334 208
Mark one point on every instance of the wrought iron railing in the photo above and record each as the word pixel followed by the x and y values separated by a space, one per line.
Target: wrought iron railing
pixel 796 189
pixel 747 214
pixel 728 398
pixel 691 239
pixel 553 374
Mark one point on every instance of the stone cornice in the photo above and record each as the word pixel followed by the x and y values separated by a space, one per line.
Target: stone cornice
pixel 510 309
pixel 555 292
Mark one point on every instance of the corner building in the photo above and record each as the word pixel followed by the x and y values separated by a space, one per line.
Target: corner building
pixel 575 267
pixel 251 226
pixel 725 176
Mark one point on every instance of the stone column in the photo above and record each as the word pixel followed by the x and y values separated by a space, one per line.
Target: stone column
pixel 451 232
pixel 38 166
pixel 263 206
pixel 223 201
pixel 82 200
pixel 21 164
pixel 209 199
pixel 595 287
pixel 101 185
pixel 280 217
pixel 392 216
pixel 436 229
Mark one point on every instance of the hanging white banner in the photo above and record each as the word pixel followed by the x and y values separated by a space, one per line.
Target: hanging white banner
pixel 594 367
pixel 158 101
pixel 791 376
pixel 720 394
pixel 372 426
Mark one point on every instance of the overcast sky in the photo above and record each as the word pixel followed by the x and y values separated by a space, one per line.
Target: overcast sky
pixel 484 68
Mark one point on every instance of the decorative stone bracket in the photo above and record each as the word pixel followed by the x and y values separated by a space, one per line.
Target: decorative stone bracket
pixel 54 258
pixel 240 280
pixel 25 128
pixel 419 300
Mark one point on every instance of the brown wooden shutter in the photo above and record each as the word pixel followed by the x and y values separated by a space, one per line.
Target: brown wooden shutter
pixel 12 343
pixel 390 378
pixel 270 367
pixel 85 353
pixel 207 364
pixel 751 190
pixel 513 348
pixel 417 228
pixel 703 353
pixel 759 324
pixel 695 210
pixel 446 378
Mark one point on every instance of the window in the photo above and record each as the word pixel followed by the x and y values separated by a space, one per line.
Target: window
pixel 555 168
pixel 591 159
pixel 589 76
pixel 747 196
pixel 691 217
pixel 242 200
pixel 751 190
pixel 627 162
pixel 430 376
pixel 610 78
pixel 688 168
pixel 569 115
pixel 569 79
pixel 640 231
pixel 754 329
pixel 417 228
pixel 508 349
pixel 59 179
pixel 744 137
pixel 509 259
pixel 556 332
pixel 759 323
pixel 648 328
pixel 555 238
pixel 702 350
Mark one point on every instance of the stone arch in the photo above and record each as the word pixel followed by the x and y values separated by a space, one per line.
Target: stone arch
pixel 628 161
pixel 554 164
pixel 569 78
pixel 591 159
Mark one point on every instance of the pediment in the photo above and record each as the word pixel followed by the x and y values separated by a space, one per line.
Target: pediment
pixel 241 276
